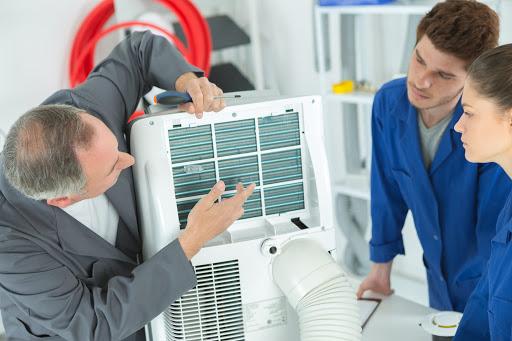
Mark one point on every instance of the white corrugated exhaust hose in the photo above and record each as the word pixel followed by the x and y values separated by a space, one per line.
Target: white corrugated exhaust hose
pixel 319 291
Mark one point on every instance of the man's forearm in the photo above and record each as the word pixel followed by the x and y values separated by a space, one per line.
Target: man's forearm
pixel 190 243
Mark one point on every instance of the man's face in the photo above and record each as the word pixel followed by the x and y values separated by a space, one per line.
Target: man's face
pixel 485 128
pixel 102 162
pixel 434 79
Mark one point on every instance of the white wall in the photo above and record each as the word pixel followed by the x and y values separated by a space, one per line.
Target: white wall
pixel 287 36
pixel 37 35
pixel 36 39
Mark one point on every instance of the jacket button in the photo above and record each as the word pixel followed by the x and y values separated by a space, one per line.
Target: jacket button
pixel 435 237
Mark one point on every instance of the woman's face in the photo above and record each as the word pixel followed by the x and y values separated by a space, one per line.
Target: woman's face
pixel 486 129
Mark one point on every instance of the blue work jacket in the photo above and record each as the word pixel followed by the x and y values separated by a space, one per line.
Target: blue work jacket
pixel 488 314
pixel 454 204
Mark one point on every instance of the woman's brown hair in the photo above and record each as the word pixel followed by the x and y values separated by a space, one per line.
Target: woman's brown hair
pixel 491 75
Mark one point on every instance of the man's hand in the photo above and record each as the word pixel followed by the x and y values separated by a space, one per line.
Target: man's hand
pixel 209 219
pixel 202 93
pixel 378 280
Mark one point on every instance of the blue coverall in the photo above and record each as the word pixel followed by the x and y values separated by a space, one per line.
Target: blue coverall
pixel 454 204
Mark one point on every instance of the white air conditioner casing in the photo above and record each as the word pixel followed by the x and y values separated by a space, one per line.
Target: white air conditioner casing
pixel 277 143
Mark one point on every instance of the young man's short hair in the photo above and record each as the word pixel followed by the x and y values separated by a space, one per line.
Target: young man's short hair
pixel 463 28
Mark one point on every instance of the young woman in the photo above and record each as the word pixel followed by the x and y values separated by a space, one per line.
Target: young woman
pixel 486 128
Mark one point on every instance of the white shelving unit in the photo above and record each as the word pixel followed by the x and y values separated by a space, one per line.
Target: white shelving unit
pixel 399 7
pixel 352 186
pixel 356 185
pixel 353 97
pixel 351 183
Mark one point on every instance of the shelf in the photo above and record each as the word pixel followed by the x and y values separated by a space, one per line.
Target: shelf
pixel 414 8
pixel 229 78
pixel 353 97
pixel 356 186
pixel 224 31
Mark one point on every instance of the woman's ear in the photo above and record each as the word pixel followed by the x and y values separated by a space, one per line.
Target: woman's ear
pixel 508 114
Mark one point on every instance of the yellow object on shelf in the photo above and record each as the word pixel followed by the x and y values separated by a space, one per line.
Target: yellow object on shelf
pixel 343 87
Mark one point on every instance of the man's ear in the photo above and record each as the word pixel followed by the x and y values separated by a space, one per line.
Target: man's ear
pixel 61 202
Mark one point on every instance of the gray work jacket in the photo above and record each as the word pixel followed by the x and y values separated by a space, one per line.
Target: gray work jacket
pixel 58 279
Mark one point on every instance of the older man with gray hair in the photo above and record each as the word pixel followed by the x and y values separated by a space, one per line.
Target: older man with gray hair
pixel 69 239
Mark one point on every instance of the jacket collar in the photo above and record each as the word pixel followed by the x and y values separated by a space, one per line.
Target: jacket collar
pixel 408 114
pixel 122 197
pixel 76 238
pixel 448 141
pixel 410 148
pixel 40 220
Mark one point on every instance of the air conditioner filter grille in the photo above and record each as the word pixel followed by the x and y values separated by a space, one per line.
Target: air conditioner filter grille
pixel 264 150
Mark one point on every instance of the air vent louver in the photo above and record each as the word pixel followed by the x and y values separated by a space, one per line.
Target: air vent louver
pixel 284 198
pixel 212 310
pixel 279 131
pixel 193 180
pixel 244 170
pixel 281 166
pixel 237 137
pixel 191 144
pixel 252 207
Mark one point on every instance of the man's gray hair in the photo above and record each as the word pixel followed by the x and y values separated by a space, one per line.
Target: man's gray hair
pixel 40 152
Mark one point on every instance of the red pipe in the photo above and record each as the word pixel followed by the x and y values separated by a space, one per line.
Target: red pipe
pixel 194 26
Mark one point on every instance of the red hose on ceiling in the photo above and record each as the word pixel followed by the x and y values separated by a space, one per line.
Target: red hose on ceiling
pixel 195 28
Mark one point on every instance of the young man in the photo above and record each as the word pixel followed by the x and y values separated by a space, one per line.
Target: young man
pixel 418 160
pixel 69 239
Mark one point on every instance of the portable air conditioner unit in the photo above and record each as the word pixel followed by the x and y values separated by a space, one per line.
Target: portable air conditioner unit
pixel 279 145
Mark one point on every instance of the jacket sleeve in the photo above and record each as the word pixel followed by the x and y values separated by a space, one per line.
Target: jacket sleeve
pixel 116 85
pixel 56 299
pixel 388 208
pixel 475 320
